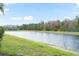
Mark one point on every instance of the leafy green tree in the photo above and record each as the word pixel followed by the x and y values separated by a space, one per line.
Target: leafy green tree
pixel 1 32
pixel 1 28
pixel 1 35
pixel 77 23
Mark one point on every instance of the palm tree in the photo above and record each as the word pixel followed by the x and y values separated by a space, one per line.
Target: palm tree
pixel 2 7
pixel 1 28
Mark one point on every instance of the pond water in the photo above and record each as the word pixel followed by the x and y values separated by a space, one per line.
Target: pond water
pixel 70 42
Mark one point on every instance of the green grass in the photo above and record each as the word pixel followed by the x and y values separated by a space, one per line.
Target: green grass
pixel 63 32
pixel 14 46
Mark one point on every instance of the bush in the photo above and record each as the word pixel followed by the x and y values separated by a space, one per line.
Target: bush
pixel 1 32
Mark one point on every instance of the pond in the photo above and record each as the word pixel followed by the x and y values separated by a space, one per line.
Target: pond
pixel 70 42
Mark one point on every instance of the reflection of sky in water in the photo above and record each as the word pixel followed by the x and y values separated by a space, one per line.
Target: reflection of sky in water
pixel 66 41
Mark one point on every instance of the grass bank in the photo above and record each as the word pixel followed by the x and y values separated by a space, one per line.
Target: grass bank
pixel 56 32
pixel 12 45
pixel 63 32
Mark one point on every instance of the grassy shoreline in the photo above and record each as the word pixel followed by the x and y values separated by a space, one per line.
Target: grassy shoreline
pixel 56 32
pixel 70 33
pixel 12 45
pixel 62 32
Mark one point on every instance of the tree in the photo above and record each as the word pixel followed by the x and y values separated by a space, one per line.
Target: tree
pixel 77 23
pixel 1 28
pixel 1 35
pixel 2 7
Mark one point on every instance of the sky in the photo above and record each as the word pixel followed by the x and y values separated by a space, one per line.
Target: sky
pixel 25 13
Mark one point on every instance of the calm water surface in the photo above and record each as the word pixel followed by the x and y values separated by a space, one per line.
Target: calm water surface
pixel 70 42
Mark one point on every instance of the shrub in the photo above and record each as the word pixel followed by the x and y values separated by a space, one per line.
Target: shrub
pixel 1 32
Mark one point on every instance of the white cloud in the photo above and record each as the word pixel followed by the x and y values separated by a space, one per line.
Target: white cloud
pixel 6 10
pixel 67 17
pixel 77 5
pixel 28 18
pixel 16 18
pixel 77 9
pixel 22 18
pixel 7 4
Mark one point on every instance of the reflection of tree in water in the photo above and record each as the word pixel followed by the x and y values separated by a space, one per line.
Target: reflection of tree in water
pixel 75 43
pixel 45 37
pixel 64 41
pixel 71 42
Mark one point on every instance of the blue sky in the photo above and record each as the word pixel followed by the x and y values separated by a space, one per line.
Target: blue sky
pixel 24 13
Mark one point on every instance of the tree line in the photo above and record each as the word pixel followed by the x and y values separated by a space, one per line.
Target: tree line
pixel 65 25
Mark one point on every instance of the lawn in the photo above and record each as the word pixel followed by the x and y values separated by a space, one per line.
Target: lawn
pixel 15 46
